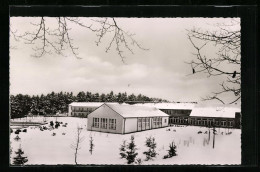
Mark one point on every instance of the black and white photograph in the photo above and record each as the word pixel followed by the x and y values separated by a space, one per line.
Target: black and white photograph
pixel 125 91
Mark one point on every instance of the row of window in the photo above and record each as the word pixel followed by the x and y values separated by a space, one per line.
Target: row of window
pixel 202 122
pixel 104 123
pixel 79 113
pixel 144 123
pixel 157 121
pixel 83 109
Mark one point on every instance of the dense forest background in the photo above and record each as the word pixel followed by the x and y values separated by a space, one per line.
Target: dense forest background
pixel 53 103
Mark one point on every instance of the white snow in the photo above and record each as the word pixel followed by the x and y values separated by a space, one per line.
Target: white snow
pixel 87 104
pixel 136 111
pixel 182 106
pixel 221 111
pixel 42 148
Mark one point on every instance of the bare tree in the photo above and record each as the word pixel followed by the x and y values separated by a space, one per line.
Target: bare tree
pixel 91 145
pixel 76 145
pixel 226 41
pixel 58 38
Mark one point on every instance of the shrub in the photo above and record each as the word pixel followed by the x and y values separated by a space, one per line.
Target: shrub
pixel 151 153
pixel 20 159
pixel 51 123
pixel 171 151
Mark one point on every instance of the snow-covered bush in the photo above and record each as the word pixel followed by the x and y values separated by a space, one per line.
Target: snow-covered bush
pixel 150 153
pixel 138 161
pixel 17 138
pixel 51 123
pixel 172 151
pixel 19 159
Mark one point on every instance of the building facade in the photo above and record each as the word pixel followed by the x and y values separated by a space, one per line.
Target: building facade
pixel 209 116
pixel 174 110
pixel 226 116
pixel 82 109
pixel 122 119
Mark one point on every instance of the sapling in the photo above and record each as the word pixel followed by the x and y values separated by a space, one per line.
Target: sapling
pixel 91 145
pixel 131 151
pixel 171 151
pixel 19 159
pixel 151 153
pixel 76 144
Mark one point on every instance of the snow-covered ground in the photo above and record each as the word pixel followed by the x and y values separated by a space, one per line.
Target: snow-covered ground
pixel 41 147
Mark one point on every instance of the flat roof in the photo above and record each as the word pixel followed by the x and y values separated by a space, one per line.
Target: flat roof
pixel 87 104
pixel 180 106
pixel 218 111
pixel 128 111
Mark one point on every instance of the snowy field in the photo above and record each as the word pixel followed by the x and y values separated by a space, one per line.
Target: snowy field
pixel 41 147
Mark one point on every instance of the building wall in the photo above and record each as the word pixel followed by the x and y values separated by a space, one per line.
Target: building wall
pixel 205 121
pixel 130 125
pixel 177 112
pixel 81 111
pixel 105 112
pixel 69 111
pixel 165 121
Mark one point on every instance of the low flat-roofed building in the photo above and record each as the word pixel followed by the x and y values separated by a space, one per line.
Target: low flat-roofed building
pixel 216 115
pixel 123 118
pixel 172 109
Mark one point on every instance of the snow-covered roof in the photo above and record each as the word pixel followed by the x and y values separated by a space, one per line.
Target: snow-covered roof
pixel 128 111
pixel 183 106
pixel 218 111
pixel 87 104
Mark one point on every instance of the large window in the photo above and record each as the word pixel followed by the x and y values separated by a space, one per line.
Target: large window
pixel 112 124
pixel 147 123
pixel 103 123
pixel 96 122
pixel 157 121
pixel 140 123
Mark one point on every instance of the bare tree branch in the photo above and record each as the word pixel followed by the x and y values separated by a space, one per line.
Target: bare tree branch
pixel 227 43
pixel 48 40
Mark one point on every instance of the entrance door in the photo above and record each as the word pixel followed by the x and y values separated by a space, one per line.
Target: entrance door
pixel 139 124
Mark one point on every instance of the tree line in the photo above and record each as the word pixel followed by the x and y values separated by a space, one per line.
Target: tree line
pixel 52 103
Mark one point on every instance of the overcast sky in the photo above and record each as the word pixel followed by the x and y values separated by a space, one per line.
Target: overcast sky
pixel 159 72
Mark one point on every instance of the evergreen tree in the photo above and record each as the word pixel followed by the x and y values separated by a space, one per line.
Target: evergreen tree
pixel 131 152
pixel 19 159
pixel 151 153
pixel 50 104
pixel 103 98
pixel 171 151
pixel 81 97
pixel 123 150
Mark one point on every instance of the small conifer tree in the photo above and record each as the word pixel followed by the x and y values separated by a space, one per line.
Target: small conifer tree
pixel 131 152
pixel 151 153
pixel 171 151
pixel 123 150
pixel 19 159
